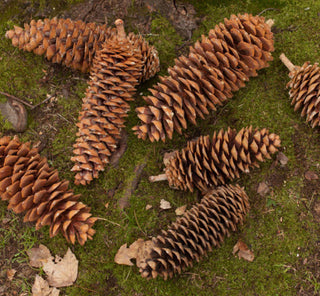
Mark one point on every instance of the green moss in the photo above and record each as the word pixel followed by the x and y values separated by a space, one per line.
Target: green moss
pixel 279 225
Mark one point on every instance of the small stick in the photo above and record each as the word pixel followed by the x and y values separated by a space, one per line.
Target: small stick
pixel 16 99
pixel 103 219
pixel 161 177
pixel 287 63
pixel 45 100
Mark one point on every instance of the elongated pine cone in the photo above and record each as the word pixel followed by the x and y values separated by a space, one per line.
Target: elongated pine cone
pixel 75 43
pixel 305 91
pixel 72 43
pixel 192 236
pixel 215 67
pixel 214 161
pixel 114 74
pixel 31 186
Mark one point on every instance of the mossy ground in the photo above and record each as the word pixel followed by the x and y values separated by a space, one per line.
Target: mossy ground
pixel 280 229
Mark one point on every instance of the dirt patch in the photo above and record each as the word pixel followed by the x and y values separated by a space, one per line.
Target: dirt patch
pixel 139 15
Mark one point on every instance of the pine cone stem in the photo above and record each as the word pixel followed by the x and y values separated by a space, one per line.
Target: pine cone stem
pixel 291 67
pixel 158 178
pixel 121 33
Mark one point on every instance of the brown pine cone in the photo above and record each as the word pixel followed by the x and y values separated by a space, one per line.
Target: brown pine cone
pixel 72 43
pixel 215 67
pixel 31 186
pixel 115 72
pixel 305 89
pixel 75 43
pixel 191 237
pixel 209 162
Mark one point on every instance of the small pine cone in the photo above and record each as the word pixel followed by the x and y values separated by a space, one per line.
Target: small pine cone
pixel 114 74
pixel 31 186
pixel 193 235
pixel 215 67
pixel 72 43
pixel 210 162
pixel 304 89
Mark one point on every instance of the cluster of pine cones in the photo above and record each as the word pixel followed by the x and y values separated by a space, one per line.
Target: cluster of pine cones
pixel 216 66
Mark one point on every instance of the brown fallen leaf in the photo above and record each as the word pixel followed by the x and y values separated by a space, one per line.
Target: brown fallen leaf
pixel 125 254
pixel 39 255
pixel 62 272
pixel 164 205
pixel 243 251
pixel 263 189
pixel 310 175
pixel 41 288
pixel 148 207
pixel 10 274
pixel 282 159
pixel 180 211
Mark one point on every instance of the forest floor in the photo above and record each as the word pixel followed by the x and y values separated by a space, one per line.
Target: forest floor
pixel 282 228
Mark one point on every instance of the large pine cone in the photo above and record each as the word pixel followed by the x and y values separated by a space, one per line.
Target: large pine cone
pixel 216 66
pixel 214 161
pixel 75 43
pixel 115 72
pixel 31 186
pixel 192 236
pixel 304 92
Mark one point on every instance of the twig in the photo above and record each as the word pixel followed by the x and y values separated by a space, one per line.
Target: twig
pixel 267 9
pixel 85 288
pixel 63 118
pixel 45 100
pixel 135 216
pixel 103 219
pixel 16 99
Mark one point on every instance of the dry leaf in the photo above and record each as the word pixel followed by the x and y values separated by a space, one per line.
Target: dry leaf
pixel 124 254
pixel 164 205
pixel 10 274
pixel 39 255
pixel 41 288
pixel 243 251
pixel 148 207
pixel 106 205
pixel 63 272
pixel 263 189
pixel 282 159
pixel 310 175
pixel 180 211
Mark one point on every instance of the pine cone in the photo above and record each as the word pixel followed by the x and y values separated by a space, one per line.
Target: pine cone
pixel 115 72
pixel 304 90
pixel 30 185
pixel 72 43
pixel 192 236
pixel 210 162
pixel 75 43
pixel 150 56
pixel 216 66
